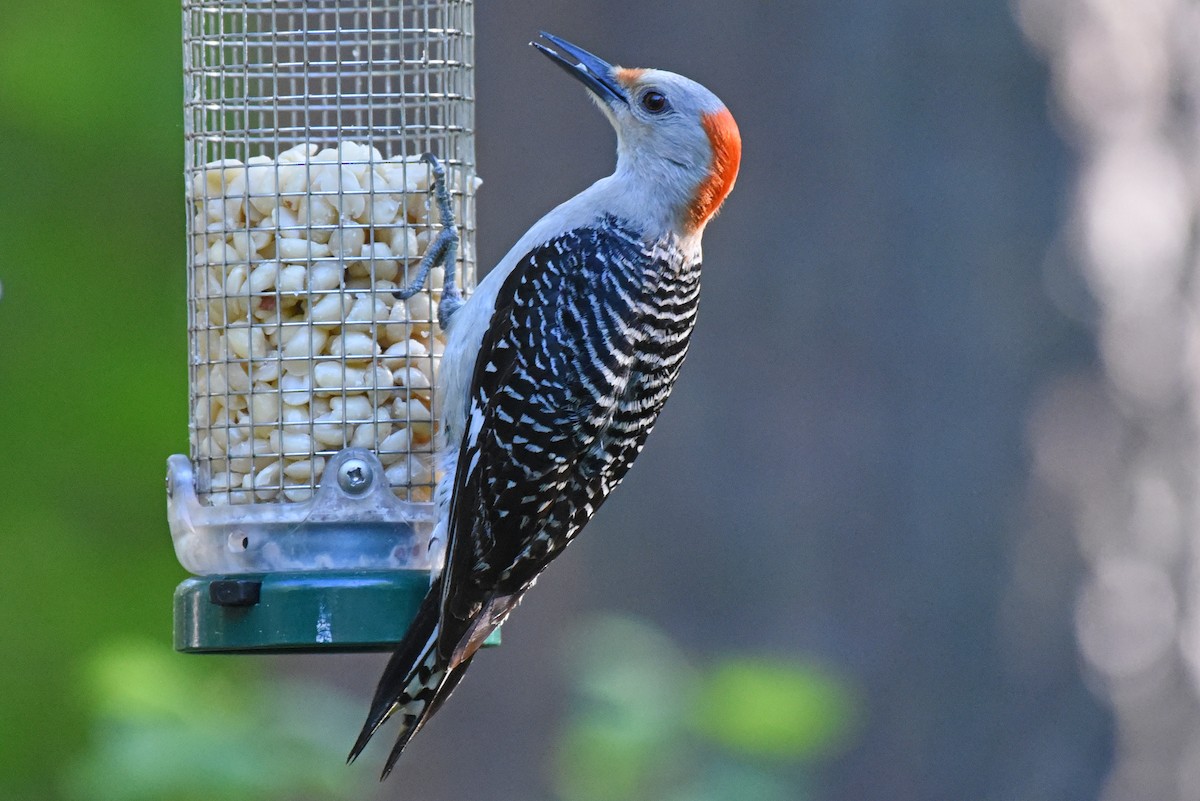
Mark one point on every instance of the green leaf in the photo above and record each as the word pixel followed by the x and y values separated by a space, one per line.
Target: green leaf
pixel 775 709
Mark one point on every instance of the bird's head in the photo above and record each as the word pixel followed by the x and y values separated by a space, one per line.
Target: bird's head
pixel 670 130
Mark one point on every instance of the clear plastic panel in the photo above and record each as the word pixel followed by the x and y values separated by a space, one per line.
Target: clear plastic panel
pixel 354 521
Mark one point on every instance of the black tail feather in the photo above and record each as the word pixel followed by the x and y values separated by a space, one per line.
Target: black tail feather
pixel 392 693
pixel 414 723
pixel 447 687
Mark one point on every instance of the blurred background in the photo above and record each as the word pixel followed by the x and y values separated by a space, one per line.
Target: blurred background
pixel 917 523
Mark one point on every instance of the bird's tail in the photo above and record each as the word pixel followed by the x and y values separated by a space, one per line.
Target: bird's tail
pixel 412 684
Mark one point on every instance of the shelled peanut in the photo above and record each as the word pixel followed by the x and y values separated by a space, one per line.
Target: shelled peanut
pixel 300 346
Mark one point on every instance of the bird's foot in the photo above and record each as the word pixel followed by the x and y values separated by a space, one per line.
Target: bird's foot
pixel 443 251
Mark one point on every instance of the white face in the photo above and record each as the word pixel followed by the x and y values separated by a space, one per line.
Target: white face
pixel 662 119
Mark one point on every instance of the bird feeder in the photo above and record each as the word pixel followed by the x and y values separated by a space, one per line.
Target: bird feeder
pixel 303 507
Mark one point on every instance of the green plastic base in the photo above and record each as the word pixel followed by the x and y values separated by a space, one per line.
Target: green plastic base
pixel 328 612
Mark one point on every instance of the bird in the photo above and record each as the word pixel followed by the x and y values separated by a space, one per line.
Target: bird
pixel 557 366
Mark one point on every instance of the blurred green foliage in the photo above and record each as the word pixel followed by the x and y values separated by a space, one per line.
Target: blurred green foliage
pixel 92 355
pixel 204 728
pixel 647 721
pixel 772 708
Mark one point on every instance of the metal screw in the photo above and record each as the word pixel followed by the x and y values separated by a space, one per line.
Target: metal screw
pixel 354 476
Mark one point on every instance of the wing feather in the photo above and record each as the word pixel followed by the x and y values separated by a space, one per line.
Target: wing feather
pixel 586 339
pixel 556 358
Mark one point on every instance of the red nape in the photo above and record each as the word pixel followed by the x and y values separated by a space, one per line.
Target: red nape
pixel 726 142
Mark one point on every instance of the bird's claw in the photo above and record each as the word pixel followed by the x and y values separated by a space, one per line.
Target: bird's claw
pixel 442 251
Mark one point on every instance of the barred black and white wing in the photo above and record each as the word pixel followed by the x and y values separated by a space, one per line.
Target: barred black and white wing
pixel 586 340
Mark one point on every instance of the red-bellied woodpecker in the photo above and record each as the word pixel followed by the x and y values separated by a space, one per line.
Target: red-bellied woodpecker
pixel 557 367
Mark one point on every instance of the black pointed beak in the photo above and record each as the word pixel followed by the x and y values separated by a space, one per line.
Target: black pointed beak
pixel 594 72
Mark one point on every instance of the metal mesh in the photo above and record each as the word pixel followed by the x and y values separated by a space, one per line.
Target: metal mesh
pixel 308 206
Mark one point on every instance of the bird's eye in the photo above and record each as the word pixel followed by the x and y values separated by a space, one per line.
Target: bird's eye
pixel 654 102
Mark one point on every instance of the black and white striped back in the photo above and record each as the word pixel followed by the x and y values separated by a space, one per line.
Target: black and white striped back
pixel 586 341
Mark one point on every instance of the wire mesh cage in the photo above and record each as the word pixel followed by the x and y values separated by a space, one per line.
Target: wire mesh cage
pixel 313 387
